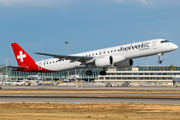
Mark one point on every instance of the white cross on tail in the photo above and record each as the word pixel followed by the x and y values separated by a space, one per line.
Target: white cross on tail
pixel 21 56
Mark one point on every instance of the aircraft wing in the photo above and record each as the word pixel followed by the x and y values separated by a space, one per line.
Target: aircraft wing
pixel 19 67
pixel 72 58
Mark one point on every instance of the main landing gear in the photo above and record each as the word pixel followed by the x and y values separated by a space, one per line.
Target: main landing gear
pixel 159 57
pixel 103 73
pixel 89 72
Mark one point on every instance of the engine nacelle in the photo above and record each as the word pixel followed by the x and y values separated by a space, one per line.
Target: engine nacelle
pixel 104 61
pixel 117 59
pixel 124 64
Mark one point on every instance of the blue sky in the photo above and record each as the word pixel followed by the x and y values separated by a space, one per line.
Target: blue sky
pixel 45 25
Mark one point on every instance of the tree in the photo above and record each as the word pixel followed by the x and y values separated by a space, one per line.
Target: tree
pixel 172 68
pixel 126 68
pixel 161 69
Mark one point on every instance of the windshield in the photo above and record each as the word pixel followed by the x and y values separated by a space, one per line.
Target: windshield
pixel 165 41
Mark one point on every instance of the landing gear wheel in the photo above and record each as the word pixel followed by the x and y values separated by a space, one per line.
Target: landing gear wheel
pixel 159 61
pixel 103 73
pixel 89 72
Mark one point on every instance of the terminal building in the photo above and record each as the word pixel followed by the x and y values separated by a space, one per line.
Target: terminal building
pixel 141 73
pixel 134 73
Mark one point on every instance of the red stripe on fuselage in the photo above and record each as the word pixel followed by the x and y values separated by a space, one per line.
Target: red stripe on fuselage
pixel 35 68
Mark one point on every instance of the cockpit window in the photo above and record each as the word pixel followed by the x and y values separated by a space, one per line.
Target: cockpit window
pixel 165 41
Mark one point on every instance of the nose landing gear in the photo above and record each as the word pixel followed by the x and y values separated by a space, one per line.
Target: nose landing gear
pixel 160 61
pixel 159 57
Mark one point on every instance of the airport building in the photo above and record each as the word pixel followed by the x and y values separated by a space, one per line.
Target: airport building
pixel 135 73
pixel 141 73
pixel 76 73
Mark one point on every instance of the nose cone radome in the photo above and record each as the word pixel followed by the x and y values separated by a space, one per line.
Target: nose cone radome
pixel 174 47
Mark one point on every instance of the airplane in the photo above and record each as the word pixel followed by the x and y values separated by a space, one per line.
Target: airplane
pixel 118 56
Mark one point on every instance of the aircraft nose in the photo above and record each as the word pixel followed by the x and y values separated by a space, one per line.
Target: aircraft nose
pixel 175 47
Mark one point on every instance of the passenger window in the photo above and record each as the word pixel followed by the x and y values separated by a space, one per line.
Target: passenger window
pixel 96 53
pixel 114 50
pixel 104 52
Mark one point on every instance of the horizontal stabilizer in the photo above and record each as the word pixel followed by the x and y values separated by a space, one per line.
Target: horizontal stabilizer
pixel 18 67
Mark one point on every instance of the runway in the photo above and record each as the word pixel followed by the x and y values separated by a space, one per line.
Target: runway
pixel 136 98
pixel 166 95
pixel 52 87
pixel 92 98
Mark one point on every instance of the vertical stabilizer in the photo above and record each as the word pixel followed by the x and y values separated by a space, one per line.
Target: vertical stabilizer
pixel 23 59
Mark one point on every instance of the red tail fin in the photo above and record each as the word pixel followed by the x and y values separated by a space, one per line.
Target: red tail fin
pixel 23 59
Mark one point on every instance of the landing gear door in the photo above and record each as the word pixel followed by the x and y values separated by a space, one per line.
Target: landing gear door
pixel 154 44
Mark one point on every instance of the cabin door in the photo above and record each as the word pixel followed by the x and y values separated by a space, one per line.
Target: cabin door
pixel 40 66
pixel 154 44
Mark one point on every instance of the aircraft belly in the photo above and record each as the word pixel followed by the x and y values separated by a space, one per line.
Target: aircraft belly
pixel 62 66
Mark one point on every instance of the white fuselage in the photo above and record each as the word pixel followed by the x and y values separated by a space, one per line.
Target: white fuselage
pixel 129 51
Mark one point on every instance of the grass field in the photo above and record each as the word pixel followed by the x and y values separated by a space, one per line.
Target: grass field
pixel 49 111
pixel 56 111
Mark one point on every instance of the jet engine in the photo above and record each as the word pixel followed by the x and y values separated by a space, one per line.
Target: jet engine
pixel 124 64
pixel 104 61
pixel 117 59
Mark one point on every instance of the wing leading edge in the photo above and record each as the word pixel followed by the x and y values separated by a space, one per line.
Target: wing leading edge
pixel 72 58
